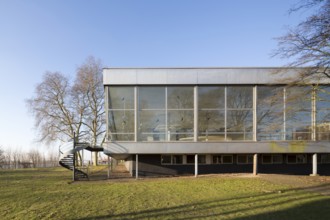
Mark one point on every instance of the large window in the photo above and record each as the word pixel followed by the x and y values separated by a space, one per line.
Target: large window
pixel 121 113
pixel 296 158
pixel 151 114
pixel 180 113
pixel 166 113
pixel 284 113
pixel 171 159
pixel 244 159
pixel 323 113
pixel 223 159
pixel 272 158
pixel 239 113
pixel 211 114
pixel 298 113
pixel 270 106
pixel 225 113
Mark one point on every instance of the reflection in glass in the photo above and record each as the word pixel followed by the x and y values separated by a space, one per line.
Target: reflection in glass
pixel 239 97
pixel 151 97
pixel 239 125
pixel 121 97
pixel 152 125
pixel 298 113
pixel 151 117
pixel 180 114
pixel 239 113
pixel 211 97
pixel 211 125
pixel 121 122
pixel 270 117
pixel 121 113
pixel 211 114
pixel 180 125
pixel 180 97
pixel 323 113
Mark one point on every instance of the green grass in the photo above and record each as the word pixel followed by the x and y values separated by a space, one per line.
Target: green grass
pixel 48 194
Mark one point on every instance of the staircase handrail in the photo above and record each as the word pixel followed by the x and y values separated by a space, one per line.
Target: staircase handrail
pixel 67 146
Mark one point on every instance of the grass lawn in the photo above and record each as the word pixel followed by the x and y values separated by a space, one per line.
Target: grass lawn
pixel 48 194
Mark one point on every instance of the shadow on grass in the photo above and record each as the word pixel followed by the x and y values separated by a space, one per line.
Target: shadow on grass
pixel 287 204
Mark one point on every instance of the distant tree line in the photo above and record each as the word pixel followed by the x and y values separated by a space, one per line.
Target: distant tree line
pixel 17 158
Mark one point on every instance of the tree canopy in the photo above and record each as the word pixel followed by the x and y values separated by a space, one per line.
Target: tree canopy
pixel 61 107
pixel 308 44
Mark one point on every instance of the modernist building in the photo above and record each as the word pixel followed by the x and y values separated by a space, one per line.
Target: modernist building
pixel 177 121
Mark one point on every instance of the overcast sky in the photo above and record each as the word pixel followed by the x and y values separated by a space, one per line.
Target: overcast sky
pixel 58 35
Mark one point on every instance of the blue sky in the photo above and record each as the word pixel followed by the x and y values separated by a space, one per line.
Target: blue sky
pixel 58 35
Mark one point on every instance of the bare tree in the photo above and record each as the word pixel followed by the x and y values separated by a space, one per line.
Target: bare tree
pixel 308 44
pixel 2 157
pixel 34 157
pixel 8 157
pixel 16 158
pixel 53 158
pixel 57 117
pixel 88 85
pixel 62 110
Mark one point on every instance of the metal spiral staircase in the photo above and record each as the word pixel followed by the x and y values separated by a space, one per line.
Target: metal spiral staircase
pixel 67 159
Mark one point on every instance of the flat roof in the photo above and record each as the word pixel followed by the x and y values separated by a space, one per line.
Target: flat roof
pixel 204 75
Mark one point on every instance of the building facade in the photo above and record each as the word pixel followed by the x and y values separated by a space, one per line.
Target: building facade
pixel 181 121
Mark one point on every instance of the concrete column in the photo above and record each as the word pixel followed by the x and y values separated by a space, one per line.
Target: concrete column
pixel 136 166
pixel 314 161
pixel 196 165
pixel 255 164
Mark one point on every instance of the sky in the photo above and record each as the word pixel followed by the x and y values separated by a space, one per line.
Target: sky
pixel 58 35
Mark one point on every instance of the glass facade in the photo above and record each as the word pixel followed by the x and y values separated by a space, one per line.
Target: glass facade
pixel 151 114
pixel 323 113
pixel 298 111
pixel 121 113
pixel 211 113
pixel 270 113
pixel 223 113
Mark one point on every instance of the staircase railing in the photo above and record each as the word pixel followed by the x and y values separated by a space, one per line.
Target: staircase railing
pixel 67 159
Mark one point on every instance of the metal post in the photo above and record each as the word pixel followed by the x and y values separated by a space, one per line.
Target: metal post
pixel 135 113
pixel 74 157
pixel 255 164
pixel 137 166
pixel 109 167
pixel 196 165
pixel 284 114
pixel 196 114
pixel 314 165
pixel 254 114
pixel 313 116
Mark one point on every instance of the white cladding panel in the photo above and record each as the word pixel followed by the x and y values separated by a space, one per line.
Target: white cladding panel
pixel 119 76
pixel 195 76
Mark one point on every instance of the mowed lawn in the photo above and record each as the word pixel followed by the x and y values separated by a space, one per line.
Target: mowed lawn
pixel 49 194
